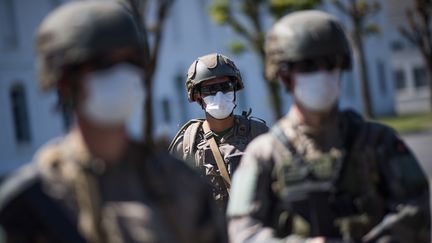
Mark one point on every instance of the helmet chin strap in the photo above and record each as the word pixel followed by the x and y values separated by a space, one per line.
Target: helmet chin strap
pixel 200 101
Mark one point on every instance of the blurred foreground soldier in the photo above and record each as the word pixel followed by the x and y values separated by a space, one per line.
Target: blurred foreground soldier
pixel 95 185
pixel 320 174
pixel 215 145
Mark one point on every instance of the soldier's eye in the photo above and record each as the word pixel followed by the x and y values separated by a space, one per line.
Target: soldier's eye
pixel 306 66
pixel 313 65
pixel 212 89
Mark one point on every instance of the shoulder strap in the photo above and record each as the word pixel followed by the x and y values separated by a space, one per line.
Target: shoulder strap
pixel 88 200
pixel 279 134
pixel 188 131
pixel 208 134
pixel 190 137
pixel 354 122
pixel 83 184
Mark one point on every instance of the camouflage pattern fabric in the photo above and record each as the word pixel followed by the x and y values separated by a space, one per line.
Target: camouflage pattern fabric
pixel 147 197
pixel 351 181
pixel 231 145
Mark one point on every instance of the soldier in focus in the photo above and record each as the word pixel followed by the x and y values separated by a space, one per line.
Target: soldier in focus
pixel 95 184
pixel 215 144
pixel 322 174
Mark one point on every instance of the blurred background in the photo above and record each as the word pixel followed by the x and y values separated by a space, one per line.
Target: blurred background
pixel 389 82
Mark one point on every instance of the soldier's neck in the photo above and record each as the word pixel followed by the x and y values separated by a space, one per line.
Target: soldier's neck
pixel 313 119
pixel 106 143
pixel 220 125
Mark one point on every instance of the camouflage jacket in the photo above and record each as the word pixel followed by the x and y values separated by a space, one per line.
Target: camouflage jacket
pixel 352 181
pixel 191 146
pixel 147 197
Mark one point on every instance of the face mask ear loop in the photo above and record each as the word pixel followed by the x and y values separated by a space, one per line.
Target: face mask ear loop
pixel 200 100
pixel 234 101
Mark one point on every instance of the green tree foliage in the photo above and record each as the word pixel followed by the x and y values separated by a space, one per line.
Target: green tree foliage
pixel 237 47
pixel 359 11
pixel 278 8
pixel 246 18
pixel 419 32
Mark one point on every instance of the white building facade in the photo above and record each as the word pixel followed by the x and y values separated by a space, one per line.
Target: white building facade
pixel 29 118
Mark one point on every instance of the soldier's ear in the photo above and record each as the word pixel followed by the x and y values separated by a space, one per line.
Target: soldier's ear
pixel 64 88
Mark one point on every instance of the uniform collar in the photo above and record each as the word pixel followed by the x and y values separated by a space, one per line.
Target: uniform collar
pixel 328 124
pixel 328 136
pixel 76 147
pixel 77 151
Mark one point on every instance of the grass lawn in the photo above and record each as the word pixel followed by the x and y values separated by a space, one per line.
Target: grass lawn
pixel 409 123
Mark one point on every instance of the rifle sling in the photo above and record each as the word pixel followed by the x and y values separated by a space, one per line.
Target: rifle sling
pixel 208 134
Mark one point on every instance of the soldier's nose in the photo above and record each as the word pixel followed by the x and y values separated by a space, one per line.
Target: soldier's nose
pixel 218 96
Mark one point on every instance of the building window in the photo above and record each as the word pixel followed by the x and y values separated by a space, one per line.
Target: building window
pixel 175 23
pixel 8 30
pixel 182 97
pixel 399 79
pixel 420 77
pixel 166 110
pixel 20 113
pixel 381 77
pixel 241 101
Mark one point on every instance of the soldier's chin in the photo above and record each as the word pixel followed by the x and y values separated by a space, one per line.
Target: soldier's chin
pixel 321 111
pixel 220 119
pixel 100 122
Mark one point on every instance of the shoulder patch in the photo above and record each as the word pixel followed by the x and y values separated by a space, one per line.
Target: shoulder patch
pixel 250 127
pixel 190 136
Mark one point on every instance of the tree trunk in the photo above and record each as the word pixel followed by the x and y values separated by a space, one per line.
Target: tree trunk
pixel 273 86
pixel 148 112
pixel 363 71
pixel 429 71
pixel 275 99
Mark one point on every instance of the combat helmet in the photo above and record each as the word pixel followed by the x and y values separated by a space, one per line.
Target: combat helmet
pixel 208 67
pixel 305 35
pixel 96 28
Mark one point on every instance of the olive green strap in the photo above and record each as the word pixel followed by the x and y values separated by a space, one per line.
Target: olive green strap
pixel 208 134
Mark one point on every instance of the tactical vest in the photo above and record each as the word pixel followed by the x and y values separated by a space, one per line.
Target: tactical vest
pixel 339 187
pixel 197 151
pixel 155 194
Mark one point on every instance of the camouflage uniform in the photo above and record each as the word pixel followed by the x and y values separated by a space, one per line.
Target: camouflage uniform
pixel 146 197
pixel 350 180
pixel 353 174
pixel 191 145
pixel 67 194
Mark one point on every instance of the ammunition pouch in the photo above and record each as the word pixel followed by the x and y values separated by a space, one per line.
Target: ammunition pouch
pixel 313 204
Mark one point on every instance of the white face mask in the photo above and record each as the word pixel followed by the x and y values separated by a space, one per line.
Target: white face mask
pixel 317 91
pixel 112 94
pixel 220 105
